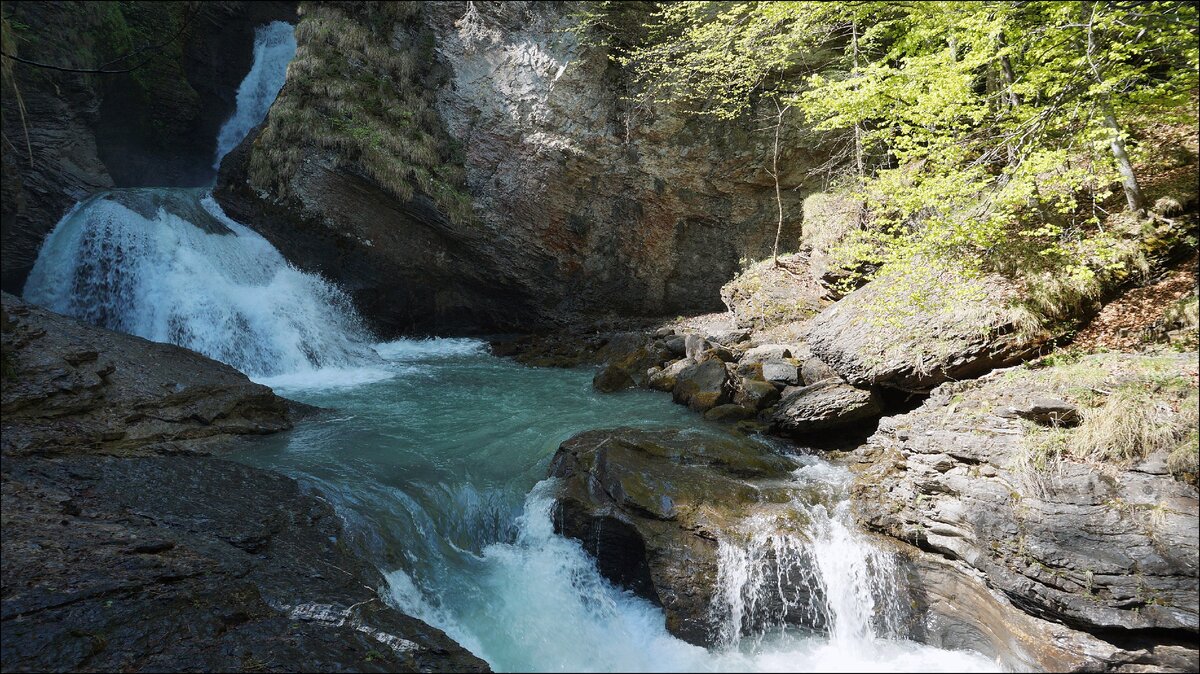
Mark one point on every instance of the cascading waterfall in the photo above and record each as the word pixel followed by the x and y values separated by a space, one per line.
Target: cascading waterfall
pixel 437 472
pixel 274 47
pixel 167 264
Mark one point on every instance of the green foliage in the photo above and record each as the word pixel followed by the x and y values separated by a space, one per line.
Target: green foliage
pixel 352 90
pixel 984 133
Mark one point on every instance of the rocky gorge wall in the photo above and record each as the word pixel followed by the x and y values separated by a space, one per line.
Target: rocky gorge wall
pixel 583 201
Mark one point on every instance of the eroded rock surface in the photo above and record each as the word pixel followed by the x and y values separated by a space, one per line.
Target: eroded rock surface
pixel 190 563
pixel 69 386
pixel 1107 547
pixel 123 550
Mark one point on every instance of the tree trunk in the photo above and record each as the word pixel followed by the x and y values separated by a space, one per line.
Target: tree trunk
pixel 1133 192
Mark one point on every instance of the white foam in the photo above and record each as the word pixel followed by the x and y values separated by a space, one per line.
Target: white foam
pixel 538 604
pixel 429 349
pixel 230 296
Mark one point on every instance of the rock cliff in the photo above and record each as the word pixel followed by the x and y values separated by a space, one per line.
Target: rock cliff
pixel 584 202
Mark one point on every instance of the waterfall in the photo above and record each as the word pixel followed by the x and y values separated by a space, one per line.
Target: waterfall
pixel 274 47
pixel 826 577
pixel 168 265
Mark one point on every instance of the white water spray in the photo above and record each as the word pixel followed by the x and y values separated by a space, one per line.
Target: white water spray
pixel 168 265
pixel 274 47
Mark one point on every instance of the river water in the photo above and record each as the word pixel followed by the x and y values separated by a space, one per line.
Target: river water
pixel 434 452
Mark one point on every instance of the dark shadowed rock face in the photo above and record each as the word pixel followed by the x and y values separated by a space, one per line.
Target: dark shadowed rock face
pixel 651 505
pixel 69 386
pixel 191 564
pixel 91 132
pixel 117 558
pixel 1106 548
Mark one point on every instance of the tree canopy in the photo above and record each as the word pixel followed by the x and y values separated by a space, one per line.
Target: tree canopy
pixel 991 133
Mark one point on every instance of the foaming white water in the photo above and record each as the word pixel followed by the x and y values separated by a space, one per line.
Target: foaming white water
pixel 274 47
pixel 168 265
pixel 428 349
pixel 810 568
pixel 539 604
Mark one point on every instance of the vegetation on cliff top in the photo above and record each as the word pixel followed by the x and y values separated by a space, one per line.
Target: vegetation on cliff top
pixel 358 86
pixel 1051 142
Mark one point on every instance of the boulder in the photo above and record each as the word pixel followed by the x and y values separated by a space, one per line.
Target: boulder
pixel 612 378
pixel 628 357
pixel 728 336
pixel 814 370
pixel 702 385
pixel 824 406
pixel 921 329
pixel 694 345
pixel 755 393
pixel 664 379
pixel 650 506
pixel 779 371
pixel 729 412
pixel 765 352
pixel 676 345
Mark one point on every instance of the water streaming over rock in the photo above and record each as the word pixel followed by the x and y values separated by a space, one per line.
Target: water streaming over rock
pixel 274 47
pixel 167 265
pixel 830 580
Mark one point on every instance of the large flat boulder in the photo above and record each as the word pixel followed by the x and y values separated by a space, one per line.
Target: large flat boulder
pixel 921 329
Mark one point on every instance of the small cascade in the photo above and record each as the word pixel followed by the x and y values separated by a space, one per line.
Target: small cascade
pixel 168 265
pixel 825 577
pixel 274 47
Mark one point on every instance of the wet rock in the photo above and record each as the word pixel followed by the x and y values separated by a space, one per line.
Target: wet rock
pixel 729 413
pixel 75 387
pixel 612 378
pixel 628 357
pixel 824 406
pixel 702 385
pixel 231 568
pixel 650 506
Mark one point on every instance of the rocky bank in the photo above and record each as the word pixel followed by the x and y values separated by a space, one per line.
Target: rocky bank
pixel 128 545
